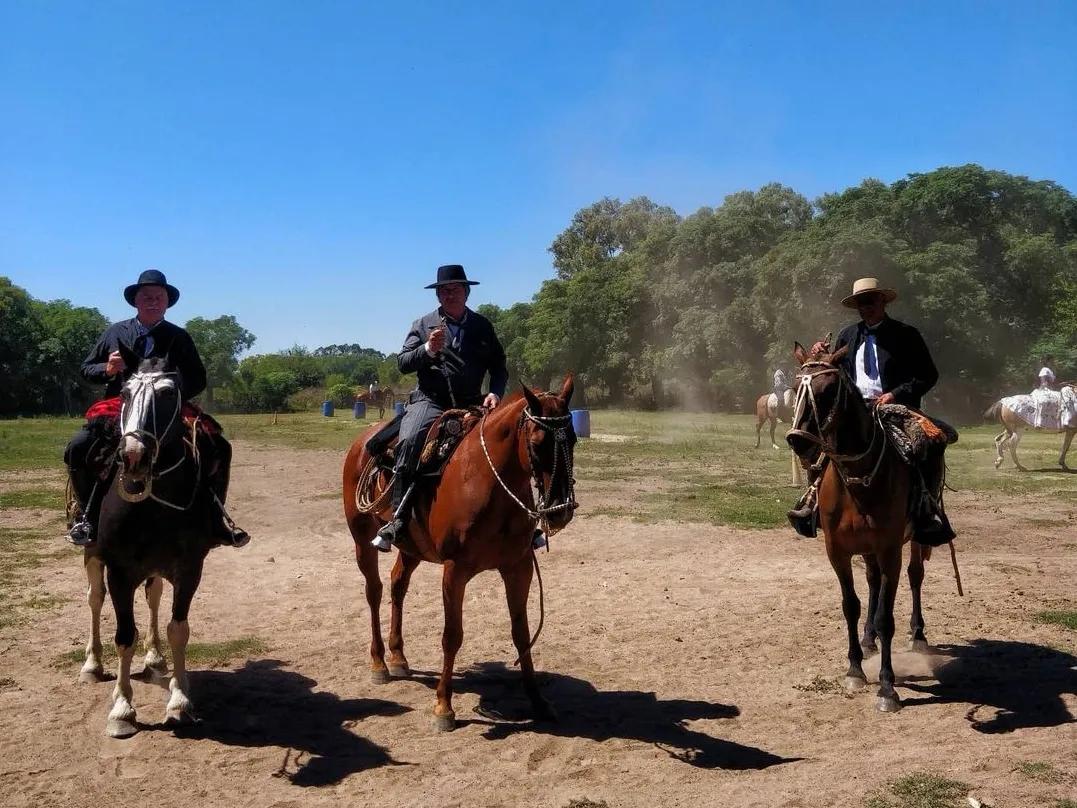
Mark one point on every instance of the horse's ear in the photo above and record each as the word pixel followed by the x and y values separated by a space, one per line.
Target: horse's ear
pixel 567 387
pixel 130 358
pixel 839 354
pixel 799 353
pixel 532 400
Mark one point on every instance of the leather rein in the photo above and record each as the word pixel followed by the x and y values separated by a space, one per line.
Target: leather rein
pixel 806 398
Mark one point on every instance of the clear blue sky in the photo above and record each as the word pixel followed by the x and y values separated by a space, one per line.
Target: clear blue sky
pixel 306 166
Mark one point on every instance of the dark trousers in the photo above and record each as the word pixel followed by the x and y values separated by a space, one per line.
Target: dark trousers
pixel 419 415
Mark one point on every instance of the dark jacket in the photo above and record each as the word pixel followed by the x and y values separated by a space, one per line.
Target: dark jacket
pixel 479 349
pixel 905 365
pixel 168 339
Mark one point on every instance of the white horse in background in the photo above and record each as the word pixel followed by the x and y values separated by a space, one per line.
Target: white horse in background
pixel 1044 411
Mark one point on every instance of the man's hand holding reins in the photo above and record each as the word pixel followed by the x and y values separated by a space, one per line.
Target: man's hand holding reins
pixel 436 341
pixel 115 364
pixel 491 401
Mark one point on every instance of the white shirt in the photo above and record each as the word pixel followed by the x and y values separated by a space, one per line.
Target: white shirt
pixel 1046 377
pixel 871 387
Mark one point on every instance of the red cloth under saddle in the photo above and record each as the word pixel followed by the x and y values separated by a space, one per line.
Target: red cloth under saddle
pixel 110 408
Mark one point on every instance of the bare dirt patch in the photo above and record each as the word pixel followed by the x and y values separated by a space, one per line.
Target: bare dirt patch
pixel 691 665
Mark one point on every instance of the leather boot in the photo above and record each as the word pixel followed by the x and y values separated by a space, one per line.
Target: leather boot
pixel 397 528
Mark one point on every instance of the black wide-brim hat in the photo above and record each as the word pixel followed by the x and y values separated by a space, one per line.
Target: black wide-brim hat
pixel 151 277
pixel 451 273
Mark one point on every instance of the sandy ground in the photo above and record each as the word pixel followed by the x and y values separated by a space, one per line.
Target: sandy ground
pixel 690 665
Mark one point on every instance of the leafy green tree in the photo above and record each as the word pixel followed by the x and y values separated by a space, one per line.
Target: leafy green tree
pixel 67 334
pixel 220 342
pixel 20 331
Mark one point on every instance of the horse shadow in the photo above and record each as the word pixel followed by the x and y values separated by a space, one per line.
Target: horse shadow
pixel 1010 685
pixel 263 704
pixel 586 712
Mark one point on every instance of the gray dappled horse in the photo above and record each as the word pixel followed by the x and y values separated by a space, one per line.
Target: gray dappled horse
pixel 155 523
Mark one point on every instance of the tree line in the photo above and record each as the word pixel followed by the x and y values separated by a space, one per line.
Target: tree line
pixel 655 309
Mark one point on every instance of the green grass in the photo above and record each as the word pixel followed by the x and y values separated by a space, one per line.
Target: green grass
pixel 20 552
pixel 920 790
pixel 295 430
pixel 1041 772
pixel 1068 619
pixel 35 443
pixel 199 654
pixel 1065 804
pixel 52 498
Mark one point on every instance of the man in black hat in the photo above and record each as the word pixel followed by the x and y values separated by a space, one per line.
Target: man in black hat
pixel 451 350
pixel 148 334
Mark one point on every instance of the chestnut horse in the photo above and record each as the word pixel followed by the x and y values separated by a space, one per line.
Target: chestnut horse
pixel 863 508
pixel 769 407
pixel 382 398
pixel 480 516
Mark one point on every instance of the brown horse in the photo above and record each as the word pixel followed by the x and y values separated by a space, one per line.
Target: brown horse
pixel 480 516
pixel 769 408
pixel 382 398
pixel 863 508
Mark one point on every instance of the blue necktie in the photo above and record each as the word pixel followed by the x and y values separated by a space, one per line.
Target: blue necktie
pixel 871 368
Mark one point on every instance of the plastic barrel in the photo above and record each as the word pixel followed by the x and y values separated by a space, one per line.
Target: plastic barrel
pixel 327 408
pixel 581 423
pixel 359 409
pixel 398 408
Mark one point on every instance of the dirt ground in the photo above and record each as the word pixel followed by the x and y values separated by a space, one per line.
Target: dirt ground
pixel 690 665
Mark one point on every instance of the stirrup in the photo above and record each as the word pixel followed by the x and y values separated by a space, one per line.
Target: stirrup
pixel 388 535
pixel 234 536
pixel 538 540
pixel 81 534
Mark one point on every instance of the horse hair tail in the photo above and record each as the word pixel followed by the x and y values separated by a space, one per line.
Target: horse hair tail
pixel 992 412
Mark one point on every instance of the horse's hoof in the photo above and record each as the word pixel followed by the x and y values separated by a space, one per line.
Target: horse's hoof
pixel 888 704
pixel 998 463
pixel 380 676
pixel 180 718
pixel 400 671
pixel 854 684
pixel 120 728
pixel 91 676
pixel 445 723
pixel 919 646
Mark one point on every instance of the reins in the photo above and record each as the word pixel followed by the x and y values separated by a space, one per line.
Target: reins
pixel 145 436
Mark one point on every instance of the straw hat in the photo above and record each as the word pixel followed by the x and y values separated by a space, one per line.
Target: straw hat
pixel 863 286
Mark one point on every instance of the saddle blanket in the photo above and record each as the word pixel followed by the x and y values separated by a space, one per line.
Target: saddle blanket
pixel 109 409
pixel 1045 409
pixel 912 433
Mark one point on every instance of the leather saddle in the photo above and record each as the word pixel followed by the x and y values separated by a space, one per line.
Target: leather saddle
pixel 444 435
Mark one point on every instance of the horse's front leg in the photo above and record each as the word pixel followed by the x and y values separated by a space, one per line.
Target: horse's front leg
pixel 453 583
pixel 850 606
pixel 122 718
pixel 890 576
pixel 773 423
pixel 366 558
pixel 1014 440
pixel 92 669
pixel 180 710
pixel 398 589
pixel 1000 440
pixel 155 659
pixel 915 571
pixel 517 578
pixel 870 636
pixel 758 431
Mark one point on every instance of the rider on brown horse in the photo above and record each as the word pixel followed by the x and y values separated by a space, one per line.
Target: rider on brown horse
pixel 890 364
pixel 451 350
pixel 91 454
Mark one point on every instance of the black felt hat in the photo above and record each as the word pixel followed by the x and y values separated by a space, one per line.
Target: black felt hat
pixel 151 277
pixel 451 273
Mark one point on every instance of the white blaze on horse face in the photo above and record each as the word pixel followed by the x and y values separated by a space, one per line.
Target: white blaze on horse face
pixel 138 412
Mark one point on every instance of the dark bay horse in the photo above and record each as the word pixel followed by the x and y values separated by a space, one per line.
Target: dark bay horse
pixel 155 523
pixel 863 508
pixel 481 516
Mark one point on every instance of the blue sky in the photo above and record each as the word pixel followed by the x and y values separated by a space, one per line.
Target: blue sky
pixel 306 166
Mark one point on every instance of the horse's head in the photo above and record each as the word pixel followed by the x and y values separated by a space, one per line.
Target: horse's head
pixel 150 415
pixel 823 391
pixel 550 444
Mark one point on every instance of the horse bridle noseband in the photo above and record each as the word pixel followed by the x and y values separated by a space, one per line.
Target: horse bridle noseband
pixel 151 437
pixel 806 397
pixel 560 426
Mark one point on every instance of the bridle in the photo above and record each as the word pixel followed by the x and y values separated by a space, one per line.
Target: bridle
pixel 143 385
pixel 560 427
pixel 806 398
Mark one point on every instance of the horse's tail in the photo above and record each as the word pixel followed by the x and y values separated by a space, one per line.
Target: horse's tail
pixel 994 412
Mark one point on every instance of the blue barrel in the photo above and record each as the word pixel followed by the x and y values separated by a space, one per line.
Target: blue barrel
pixel 359 409
pixel 327 408
pixel 581 423
pixel 398 408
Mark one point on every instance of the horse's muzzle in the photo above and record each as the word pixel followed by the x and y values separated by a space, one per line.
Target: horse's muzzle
pixel 802 444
